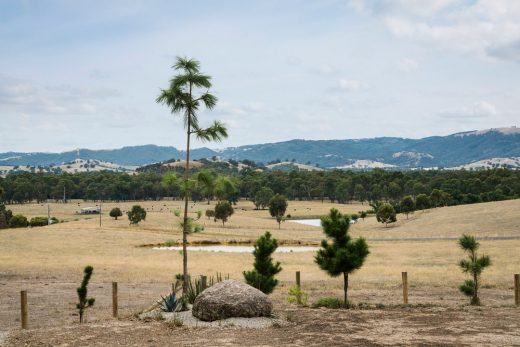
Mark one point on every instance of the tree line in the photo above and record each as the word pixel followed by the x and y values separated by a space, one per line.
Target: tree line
pixel 441 187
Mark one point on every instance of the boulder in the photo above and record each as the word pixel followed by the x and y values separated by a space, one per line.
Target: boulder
pixel 231 298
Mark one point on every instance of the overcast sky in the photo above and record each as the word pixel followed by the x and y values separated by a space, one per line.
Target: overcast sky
pixel 86 73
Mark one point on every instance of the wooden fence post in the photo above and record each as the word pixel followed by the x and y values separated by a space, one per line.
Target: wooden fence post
pixel 517 289
pixel 203 281
pixel 23 301
pixel 114 300
pixel 298 278
pixel 405 287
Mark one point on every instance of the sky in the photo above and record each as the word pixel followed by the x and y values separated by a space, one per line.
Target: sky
pixel 85 74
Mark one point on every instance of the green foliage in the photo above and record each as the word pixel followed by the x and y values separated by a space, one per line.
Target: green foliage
pixel 297 296
pixel 115 212
pixel 5 217
pixel 136 214
pixel 343 255
pixel 177 212
pixel 473 266
pixel 386 214
pixel 210 214
pixel 407 205
pixel 84 301
pixel 38 221
pixel 195 287
pixel 422 201
pixel 18 221
pixel 170 303
pixel 331 302
pixel 223 210
pixel 277 207
pixel 363 214
pixel 262 197
pixel 262 277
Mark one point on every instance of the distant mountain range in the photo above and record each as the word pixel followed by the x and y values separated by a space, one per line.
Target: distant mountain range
pixel 387 152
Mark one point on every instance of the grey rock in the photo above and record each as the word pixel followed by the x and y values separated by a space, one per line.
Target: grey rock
pixel 231 298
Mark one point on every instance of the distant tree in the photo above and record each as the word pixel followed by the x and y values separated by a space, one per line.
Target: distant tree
pixel 436 197
pixel 360 193
pixel 277 207
pixel 116 212
pixel 407 205
pixel 473 266
pixel 422 201
pixel 136 214
pixel 394 191
pixel 262 197
pixel 210 213
pixel 223 210
pixel 84 301
pixel 343 255
pixel 386 214
pixel 5 217
pixel 262 277
pixel 225 188
pixel 18 221
pixel 208 181
pixel 181 97
pixel 363 214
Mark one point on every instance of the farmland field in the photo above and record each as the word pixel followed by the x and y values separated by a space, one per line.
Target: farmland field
pixel 48 262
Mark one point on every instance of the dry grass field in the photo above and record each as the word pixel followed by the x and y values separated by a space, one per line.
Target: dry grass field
pixel 48 261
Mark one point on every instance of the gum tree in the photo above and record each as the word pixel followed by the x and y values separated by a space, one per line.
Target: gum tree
pixel 187 93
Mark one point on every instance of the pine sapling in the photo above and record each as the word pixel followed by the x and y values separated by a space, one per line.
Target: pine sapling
pixel 262 277
pixel 84 302
pixel 474 266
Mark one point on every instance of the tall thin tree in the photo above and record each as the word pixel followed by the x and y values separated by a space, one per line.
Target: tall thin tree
pixel 187 93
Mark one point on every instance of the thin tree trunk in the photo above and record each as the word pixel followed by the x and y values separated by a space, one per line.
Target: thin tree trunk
pixel 345 287
pixel 186 197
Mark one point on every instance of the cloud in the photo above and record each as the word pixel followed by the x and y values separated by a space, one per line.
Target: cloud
pixel 352 85
pixel 481 109
pixel 485 28
pixel 408 65
pixel 26 97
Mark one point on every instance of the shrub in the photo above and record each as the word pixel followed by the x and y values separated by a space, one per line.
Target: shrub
pixel 136 214
pixel 82 290
pixel 330 302
pixel 116 212
pixel 38 221
pixel 5 217
pixel 223 210
pixel 297 296
pixel 262 277
pixel 363 214
pixel 262 197
pixel 18 221
pixel 210 214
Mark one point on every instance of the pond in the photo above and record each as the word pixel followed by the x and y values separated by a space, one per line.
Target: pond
pixel 311 222
pixel 237 249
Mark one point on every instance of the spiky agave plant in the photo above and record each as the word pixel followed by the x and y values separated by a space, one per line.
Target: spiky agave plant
pixel 474 266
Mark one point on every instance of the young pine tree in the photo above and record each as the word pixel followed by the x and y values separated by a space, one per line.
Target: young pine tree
pixel 474 266
pixel 343 255
pixel 262 277
pixel 84 302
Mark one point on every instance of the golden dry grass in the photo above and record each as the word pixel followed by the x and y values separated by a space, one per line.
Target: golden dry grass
pixel 113 249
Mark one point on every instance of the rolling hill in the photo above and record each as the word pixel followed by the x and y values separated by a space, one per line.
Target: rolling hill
pixel 454 150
